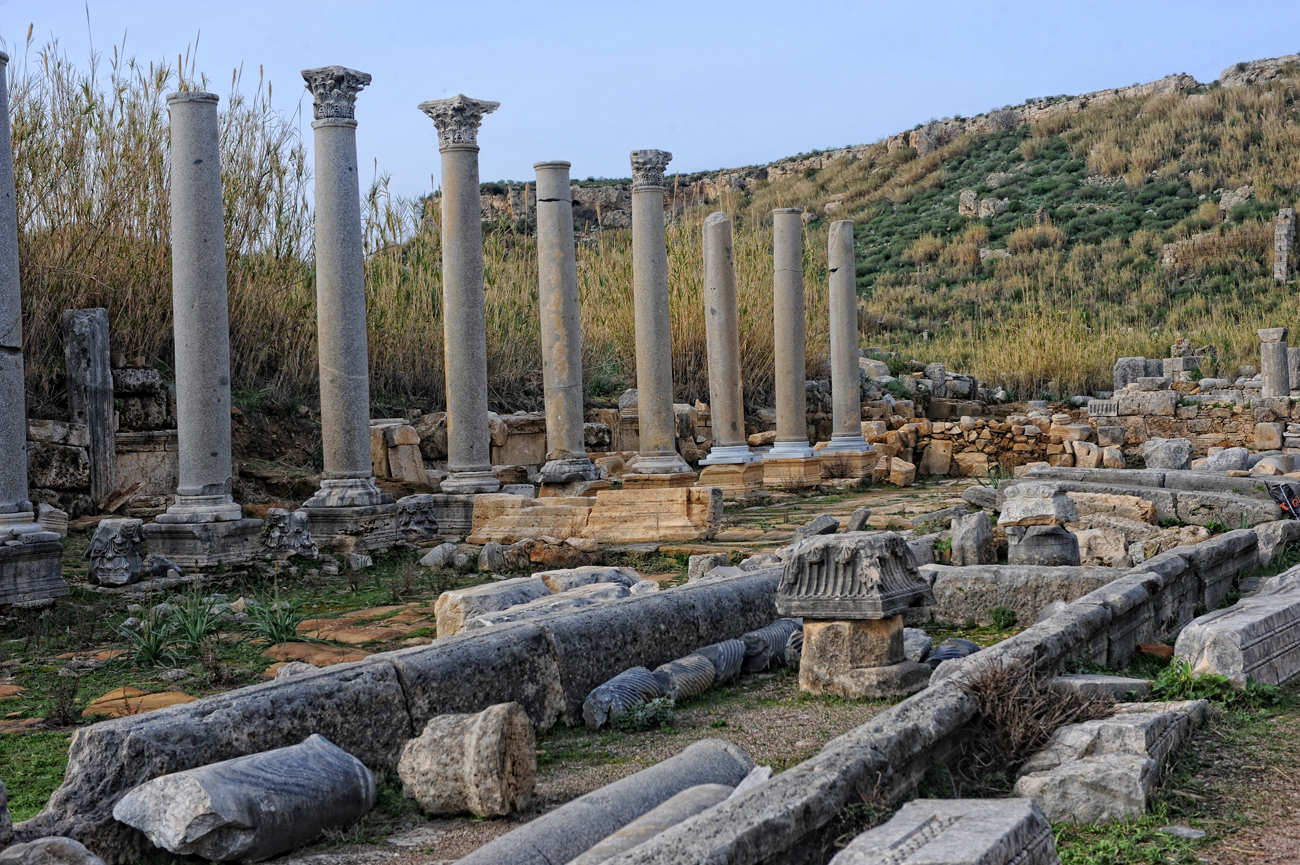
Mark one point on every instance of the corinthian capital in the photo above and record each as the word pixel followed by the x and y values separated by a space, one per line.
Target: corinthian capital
pixel 458 118
pixel 648 167
pixel 334 91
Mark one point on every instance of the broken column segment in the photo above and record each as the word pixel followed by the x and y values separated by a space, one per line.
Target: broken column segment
pixel 205 527
pixel 1283 243
pixel 255 807
pixel 464 306
pixel 957 832
pixel 791 462
pixel 567 463
pixel 846 374
pixel 1274 366
pixel 659 464
pixel 90 392
pixel 730 464
pixel 851 591
pixel 30 557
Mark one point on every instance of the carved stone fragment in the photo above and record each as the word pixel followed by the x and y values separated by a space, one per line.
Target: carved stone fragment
pixel 286 533
pixel 859 575
pixel 417 518
pixel 957 832
pixel 115 552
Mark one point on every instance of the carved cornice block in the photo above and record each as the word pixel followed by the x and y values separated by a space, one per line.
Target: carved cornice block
pixel 856 575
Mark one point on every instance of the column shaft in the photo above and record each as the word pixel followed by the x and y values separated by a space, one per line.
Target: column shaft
pixel 15 507
pixel 722 334
pixel 200 313
pixel 788 339
pixel 566 457
pixel 846 379
pixel 1274 365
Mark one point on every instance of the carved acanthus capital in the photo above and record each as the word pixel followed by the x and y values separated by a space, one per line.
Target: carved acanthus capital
pixel 334 91
pixel 648 167
pixel 458 118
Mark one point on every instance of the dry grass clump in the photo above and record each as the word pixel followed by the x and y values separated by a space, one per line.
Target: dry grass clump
pixel 1031 237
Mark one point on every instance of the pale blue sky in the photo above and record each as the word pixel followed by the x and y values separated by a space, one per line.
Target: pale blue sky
pixel 720 84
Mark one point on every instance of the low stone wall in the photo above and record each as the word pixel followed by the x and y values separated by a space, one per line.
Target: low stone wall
pixel 370 708
pixel 881 762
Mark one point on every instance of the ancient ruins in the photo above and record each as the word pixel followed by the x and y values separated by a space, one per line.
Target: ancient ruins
pixel 587 571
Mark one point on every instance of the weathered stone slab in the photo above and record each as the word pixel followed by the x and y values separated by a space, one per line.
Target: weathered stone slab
pixel 642 515
pixel 972 540
pixel 31 572
pixel 582 596
pixel 454 608
pixel 206 546
pixel 863 575
pixel 483 764
pixel 507 518
pixel 1097 685
pixel 957 832
pixel 572 578
pixel 858 659
pixel 1036 504
pixel 572 829
pixel 687 803
pixel 1256 638
pixel 252 808
pixel 969 593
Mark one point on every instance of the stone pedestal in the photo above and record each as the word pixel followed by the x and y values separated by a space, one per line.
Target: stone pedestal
pixel 358 528
pixel 847 463
pixel 640 481
pixel 1274 366
pixel 454 513
pixel 572 488
pixel 791 473
pixel 642 516
pixel 31 573
pixel 788 323
pixel 737 481
pixel 566 452
pixel 206 546
pixel 654 350
pixel 846 373
pixel 859 659
pixel 464 310
pixel 722 331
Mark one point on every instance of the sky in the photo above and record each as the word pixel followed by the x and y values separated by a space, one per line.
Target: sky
pixel 719 84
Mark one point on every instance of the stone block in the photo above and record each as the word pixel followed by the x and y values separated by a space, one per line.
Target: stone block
pixel 957 832
pixel 568 579
pixel 1256 638
pixel 936 459
pixel 1229 459
pixel 1155 403
pixel 1036 504
pixel 676 480
pixel 48 851
pixel 57 466
pixel 1103 546
pixel 972 540
pixel 971 464
pixel 206 546
pixel 505 518
pixel 1114 505
pixel 1103 408
pixel 358 528
pixel 151 459
pixel 483 764
pixel 1111 436
pixel 1268 436
pixel 868 683
pixel 1041 545
pixel 1128 370
pixel 969 593
pixel 901 473
pixel 822 524
pixel 1161 453
pixel 647 515
pixel 254 807
pixel 863 575
pixel 455 608
pixel 791 473
pixel 406 464
pixel 737 481
pixel 1087 455
pixel 1112 458
pixel 1092 685
pixel 831 648
pixel 30 573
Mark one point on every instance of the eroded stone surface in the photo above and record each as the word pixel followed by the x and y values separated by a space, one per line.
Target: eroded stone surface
pixel 957 832
pixel 1256 638
pixel 455 608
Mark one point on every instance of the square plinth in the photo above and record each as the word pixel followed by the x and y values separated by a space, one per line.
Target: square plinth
pixel 364 528
pixel 736 480
pixel 792 473
pixel 206 546
pixel 644 516
pixel 571 489
pixel 671 481
pixel 31 573
pixel 838 464
pixel 834 647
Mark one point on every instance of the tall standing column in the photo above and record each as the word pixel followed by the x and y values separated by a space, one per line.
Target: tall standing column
pixel 846 377
pixel 1274 365
pixel 348 479
pixel 790 350
pixel 566 457
pixel 464 311
pixel 656 424
pixel 722 335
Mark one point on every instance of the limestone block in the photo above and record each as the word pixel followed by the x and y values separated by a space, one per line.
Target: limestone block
pixel 863 575
pixel 254 807
pixel 1256 638
pixel 969 593
pixel 1112 458
pixel 1096 685
pixel 858 520
pixel 1036 504
pixel 583 596
pixel 1106 547
pixel 685 804
pixel 916 644
pixel 506 518
pixel 1272 536
pixel 635 481
pixel 822 524
pixel 454 608
pixel 57 466
pixel 1228 459
pixel 971 464
pixel 572 829
pixel 572 578
pixel 957 832
pixel 1162 453
pixel 116 552
pixel 31 572
pixel 791 473
pixel 1087 455
pixel 737 481
pixel 483 764
pixel 1111 436
pixel 972 540
pixel 1041 545
pixel 831 648
pixel 1094 789
pixel 406 464
pixel 49 851
pixel 901 473
pixel 206 546
pixel 1114 505
pixel 1156 403
pixel 644 515
pixel 378 452
pixel 936 459
pixel 1268 436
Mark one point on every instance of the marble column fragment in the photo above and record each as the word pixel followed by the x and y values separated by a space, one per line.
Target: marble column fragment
pixel 788 316
pixel 1293 367
pixel 722 333
pixel 90 391
pixel 464 308
pixel 566 456
pixel 846 377
pixel 1274 364
pixel 30 557
pixel 657 426
pixel 1283 243
pixel 348 480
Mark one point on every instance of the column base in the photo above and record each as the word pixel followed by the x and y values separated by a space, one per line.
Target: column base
pixel 737 481
pixel 661 464
pixel 364 528
pixel 856 444
pixel 205 546
pixel 676 480
pixel 32 572
pixel 202 509
pixel 348 493
pixel 730 455
pixel 649 516
pixel 847 464
pixel 569 470
pixel 468 483
pixel 860 658
pixel 571 489
pixel 783 473
pixel 789 451
pixel 455 514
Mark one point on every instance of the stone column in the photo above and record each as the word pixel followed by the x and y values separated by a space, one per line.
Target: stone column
pixel 1293 367
pixel 846 375
pixel 464 313
pixel 722 333
pixel 1283 243
pixel 31 569
pixel 1273 362
pixel 566 457
pixel 341 294
pixel 201 325
pixel 654 352
pixel 788 316
pixel 90 392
